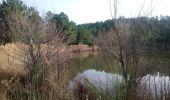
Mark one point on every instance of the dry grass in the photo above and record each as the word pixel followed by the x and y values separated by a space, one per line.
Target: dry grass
pixel 10 66
pixel 10 61
pixel 12 57
pixel 13 73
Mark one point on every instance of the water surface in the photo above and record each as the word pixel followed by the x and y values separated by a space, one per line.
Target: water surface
pixel 103 72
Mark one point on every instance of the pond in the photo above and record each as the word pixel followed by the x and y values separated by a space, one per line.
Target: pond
pixel 102 72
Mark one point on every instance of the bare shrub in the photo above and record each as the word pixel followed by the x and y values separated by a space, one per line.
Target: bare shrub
pixel 41 51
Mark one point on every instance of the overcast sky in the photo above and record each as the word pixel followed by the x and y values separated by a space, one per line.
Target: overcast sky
pixel 84 11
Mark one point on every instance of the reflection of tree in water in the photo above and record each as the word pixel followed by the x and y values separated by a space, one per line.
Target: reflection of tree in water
pixel 156 85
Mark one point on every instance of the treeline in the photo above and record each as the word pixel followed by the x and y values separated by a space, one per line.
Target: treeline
pixel 15 10
pixel 155 30
pixel 14 18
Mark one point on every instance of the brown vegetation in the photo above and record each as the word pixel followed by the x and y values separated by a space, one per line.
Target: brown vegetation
pixel 82 48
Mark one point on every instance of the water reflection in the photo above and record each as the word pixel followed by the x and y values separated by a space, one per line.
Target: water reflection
pixel 99 79
pixel 154 84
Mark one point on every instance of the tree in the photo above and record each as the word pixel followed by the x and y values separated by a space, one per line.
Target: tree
pixel 5 36
pixel 83 36
pixel 40 44
pixel 68 27
pixel 8 8
pixel 124 44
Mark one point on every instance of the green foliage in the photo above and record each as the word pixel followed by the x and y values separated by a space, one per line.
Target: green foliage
pixel 83 36
pixel 5 36
pixel 98 27
pixel 9 7
pixel 12 14
pixel 68 27
pixel 74 34
pixel 154 32
pixel 12 6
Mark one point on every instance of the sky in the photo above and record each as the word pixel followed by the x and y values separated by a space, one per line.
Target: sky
pixel 87 11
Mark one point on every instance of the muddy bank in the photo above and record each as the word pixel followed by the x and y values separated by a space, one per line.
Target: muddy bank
pixel 82 48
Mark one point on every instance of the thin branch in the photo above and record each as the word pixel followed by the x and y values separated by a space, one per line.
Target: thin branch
pixel 141 8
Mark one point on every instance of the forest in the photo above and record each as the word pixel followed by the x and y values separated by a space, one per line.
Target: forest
pixel 51 57
pixel 158 27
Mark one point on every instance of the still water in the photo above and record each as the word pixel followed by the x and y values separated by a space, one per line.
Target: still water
pixel 103 72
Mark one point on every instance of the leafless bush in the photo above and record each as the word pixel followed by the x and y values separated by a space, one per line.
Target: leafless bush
pixel 124 44
pixel 121 43
pixel 41 50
